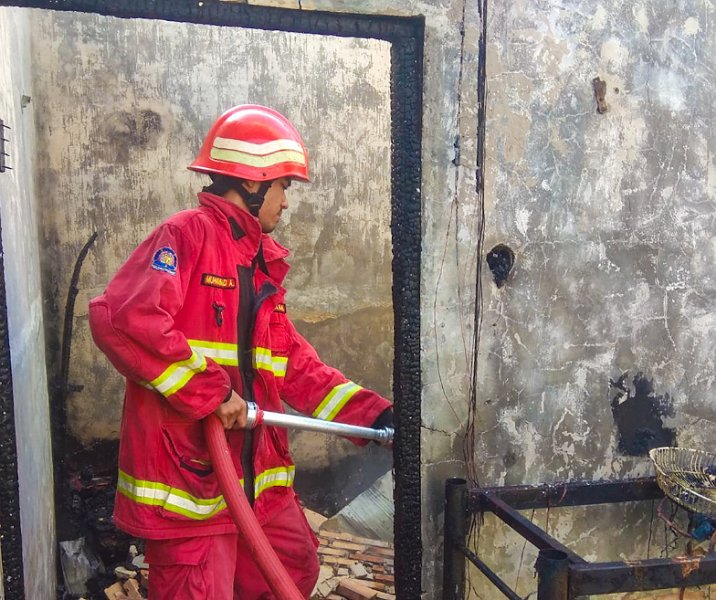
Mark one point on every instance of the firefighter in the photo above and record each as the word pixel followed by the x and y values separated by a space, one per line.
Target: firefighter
pixel 197 323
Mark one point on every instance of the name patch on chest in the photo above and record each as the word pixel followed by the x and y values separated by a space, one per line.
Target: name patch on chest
pixel 217 281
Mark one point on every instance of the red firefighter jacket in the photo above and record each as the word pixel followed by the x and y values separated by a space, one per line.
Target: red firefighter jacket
pixel 173 322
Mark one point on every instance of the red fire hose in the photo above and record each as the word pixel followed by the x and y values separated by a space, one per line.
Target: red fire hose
pixel 241 512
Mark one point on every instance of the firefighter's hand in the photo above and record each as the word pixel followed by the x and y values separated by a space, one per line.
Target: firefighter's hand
pixel 232 413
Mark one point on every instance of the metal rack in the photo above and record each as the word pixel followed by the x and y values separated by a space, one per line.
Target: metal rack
pixel 562 574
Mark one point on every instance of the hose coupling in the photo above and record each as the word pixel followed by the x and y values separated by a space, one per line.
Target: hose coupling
pixel 386 436
pixel 252 415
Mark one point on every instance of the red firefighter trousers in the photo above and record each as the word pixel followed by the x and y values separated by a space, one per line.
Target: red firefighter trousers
pixel 219 567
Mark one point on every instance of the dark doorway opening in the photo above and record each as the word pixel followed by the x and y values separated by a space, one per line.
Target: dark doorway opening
pixel 405 35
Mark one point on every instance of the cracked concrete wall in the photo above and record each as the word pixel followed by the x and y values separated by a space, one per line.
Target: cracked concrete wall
pixel 601 343
pixel 20 248
pixel 610 217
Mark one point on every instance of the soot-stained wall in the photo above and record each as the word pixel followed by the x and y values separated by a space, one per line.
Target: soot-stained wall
pixel 609 305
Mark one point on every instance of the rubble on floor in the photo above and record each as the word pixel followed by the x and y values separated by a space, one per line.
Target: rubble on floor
pixel 352 568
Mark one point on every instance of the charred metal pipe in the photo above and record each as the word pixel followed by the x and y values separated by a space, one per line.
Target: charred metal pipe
pixel 552 568
pixel 256 416
pixel 456 519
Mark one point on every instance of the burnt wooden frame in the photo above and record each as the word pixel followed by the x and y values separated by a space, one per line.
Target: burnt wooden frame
pixel 406 36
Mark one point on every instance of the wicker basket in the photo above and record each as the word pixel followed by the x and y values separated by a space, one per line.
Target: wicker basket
pixel 688 477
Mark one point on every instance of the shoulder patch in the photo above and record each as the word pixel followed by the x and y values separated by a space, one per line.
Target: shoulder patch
pixel 165 259
pixel 227 283
pixel 280 308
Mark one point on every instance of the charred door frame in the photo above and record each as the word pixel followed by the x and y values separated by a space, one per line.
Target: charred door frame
pixel 406 36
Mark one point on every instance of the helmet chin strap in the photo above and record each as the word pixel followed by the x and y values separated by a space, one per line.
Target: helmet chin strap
pixel 220 184
pixel 254 200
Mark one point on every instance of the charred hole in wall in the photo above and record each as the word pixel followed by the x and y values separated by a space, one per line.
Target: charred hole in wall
pixel 500 260
pixel 639 415
pixel 87 494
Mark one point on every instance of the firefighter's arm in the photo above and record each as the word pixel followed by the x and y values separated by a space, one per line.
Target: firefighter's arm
pixel 132 322
pixel 318 390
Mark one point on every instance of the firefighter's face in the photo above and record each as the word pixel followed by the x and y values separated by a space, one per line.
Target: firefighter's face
pixel 275 202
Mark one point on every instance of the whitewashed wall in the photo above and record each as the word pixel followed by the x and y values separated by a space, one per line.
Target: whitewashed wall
pixel 21 249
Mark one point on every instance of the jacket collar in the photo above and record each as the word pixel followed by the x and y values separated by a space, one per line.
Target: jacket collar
pixel 246 229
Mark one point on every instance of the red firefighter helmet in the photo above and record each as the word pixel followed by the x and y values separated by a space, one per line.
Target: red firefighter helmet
pixel 253 142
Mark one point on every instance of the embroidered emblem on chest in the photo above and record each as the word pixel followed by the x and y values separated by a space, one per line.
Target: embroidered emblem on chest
pixel 280 308
pixel 217 281
pixel 165 259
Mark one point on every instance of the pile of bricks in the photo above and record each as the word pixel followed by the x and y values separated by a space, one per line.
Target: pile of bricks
pixel 130 585
pixel 354 568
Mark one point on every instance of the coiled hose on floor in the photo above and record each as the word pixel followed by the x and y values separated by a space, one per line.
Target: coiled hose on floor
pixel 243 515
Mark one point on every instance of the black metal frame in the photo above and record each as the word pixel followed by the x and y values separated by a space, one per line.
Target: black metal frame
pixel 562 574
pixel 406 35
pixel 3 164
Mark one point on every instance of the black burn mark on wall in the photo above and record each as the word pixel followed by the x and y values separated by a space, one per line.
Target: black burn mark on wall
pixel 638 414
pixel 126 130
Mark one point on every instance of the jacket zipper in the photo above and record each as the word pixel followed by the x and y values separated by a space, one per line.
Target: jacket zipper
pixel 249 305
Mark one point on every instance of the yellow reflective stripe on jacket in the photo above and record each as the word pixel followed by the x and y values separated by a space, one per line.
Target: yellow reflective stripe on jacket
pixel 169 498
pixel 178 374
pixel 178 501
pixel 263 359
pixel 227 354
pixel 336 399
pixel 278 477
pixel 222 353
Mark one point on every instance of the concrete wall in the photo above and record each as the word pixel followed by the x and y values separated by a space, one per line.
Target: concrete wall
pixel 610 217
pixel 123 106
pixel 24 304
pixel 601 343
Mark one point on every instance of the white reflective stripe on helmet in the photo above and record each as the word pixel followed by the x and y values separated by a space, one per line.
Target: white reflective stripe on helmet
pixel 178 374
pixel 335 400
pixel 257 149
pixel 242 158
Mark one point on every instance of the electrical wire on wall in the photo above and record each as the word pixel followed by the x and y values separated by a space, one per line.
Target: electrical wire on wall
pixel 454 205
pixel 469 444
